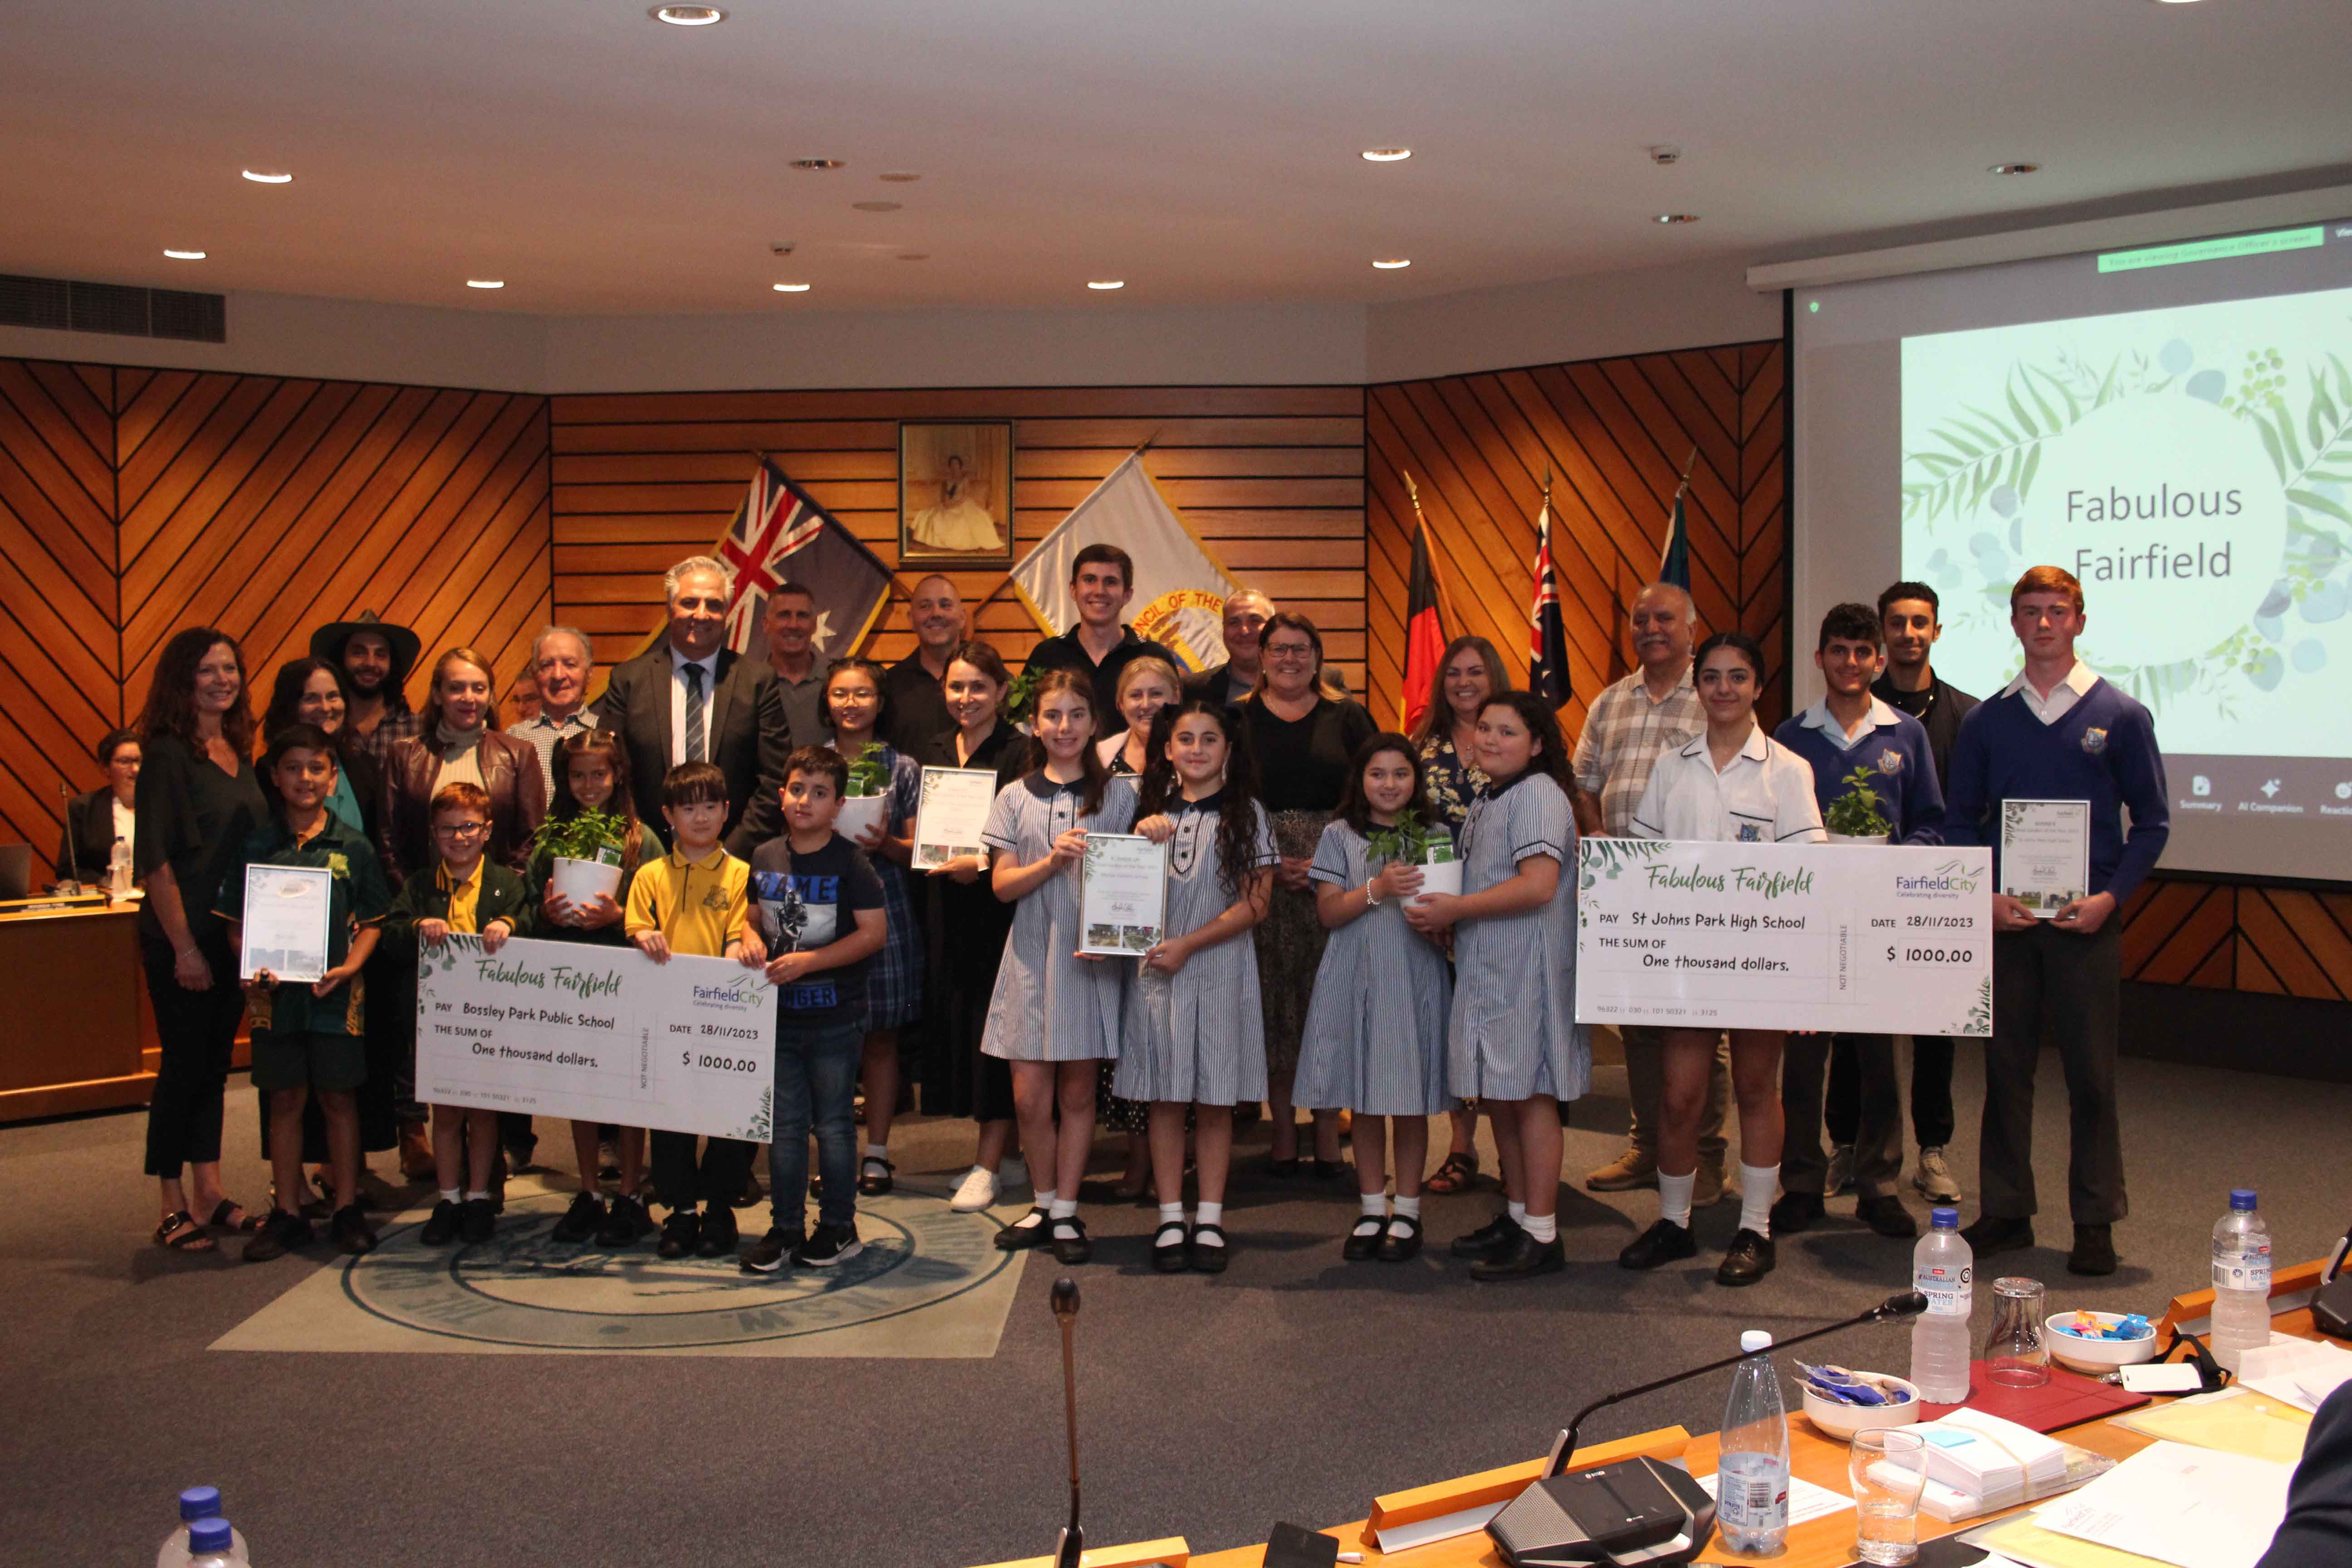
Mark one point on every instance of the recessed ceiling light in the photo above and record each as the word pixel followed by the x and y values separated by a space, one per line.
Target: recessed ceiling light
pixel 899 177
pixel 687 15
pixel 269 177
pixel 184 255
pixel 1677 217
pixel 1387 154
pixel 486 283
pixel 2014 168
pixel 792 288
pixel 818 163
pixel 878 206
pixel 1391 263
pixel 1107 283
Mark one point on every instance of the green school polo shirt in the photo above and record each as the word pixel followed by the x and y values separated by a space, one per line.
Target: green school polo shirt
pixel 358 895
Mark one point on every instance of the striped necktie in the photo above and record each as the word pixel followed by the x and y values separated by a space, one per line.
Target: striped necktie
pixel 694 725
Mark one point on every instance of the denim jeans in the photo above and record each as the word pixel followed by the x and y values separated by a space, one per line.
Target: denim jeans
pixel 816 1088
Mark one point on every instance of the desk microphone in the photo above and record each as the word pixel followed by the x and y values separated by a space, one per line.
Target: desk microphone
pixel 1072 1543
pixel 1632 1511
pixel 73 857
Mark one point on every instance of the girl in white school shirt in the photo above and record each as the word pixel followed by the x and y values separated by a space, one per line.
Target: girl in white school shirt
pixel 1054 1016
pixel 1733 783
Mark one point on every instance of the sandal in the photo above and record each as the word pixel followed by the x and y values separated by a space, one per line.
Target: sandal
pixel 246 1224
pixel 181 1233
pixel 873 1177
pixel 1172 1257
pixel 1458 1175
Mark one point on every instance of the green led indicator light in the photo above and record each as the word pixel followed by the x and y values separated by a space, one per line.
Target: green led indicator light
pixel 1814 306
pixel 2225 249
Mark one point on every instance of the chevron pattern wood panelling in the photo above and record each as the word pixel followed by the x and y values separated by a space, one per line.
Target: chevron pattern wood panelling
pixel 2219 936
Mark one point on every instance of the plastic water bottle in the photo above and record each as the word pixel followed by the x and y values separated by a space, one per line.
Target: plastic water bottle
pixel 118 868
pixel 196 1504
pixel 1942 1269
pixel 210 1542
pixel 1751 1474
pixel 2241 1280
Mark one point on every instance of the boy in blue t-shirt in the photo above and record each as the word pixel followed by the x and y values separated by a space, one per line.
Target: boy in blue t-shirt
pixel 815 918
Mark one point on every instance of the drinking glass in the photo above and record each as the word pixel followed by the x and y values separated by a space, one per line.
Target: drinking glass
pixel 1887 1469
pixel 2016 1354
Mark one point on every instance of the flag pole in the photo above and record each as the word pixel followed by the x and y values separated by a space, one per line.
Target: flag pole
pixel 1687 468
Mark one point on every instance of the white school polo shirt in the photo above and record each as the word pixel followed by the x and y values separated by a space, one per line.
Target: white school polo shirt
pixel 1765 797
pixel 2071 688
pixel 1818 717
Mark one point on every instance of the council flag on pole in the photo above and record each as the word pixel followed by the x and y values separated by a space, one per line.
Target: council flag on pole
pixel 1180 589
pixel 1673 561
pixel 781 532
pixel 1424 628
pixel 1547 634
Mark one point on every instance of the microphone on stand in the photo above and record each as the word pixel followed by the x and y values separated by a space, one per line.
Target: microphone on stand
pixel 73 857
pixel 1633 1510
pixel 1071 1545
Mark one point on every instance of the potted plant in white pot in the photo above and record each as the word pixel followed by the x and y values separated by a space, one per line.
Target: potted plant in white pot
pixel 584 850
pixel 1854 817
pixel 865 799
pixel 1416 843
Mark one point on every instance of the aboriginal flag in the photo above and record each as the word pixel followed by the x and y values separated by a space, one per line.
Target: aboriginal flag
pixel 1547 634
pixel 1424 633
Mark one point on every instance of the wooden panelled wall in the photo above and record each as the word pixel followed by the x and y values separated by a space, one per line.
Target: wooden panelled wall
pixel 133 502
pixel 1270 478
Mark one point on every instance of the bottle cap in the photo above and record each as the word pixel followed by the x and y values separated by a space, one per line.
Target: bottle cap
pixel 2241 1200
pixel 199 1502
pixel 1754 1340
pixel 1943 1219
pixel 209 1537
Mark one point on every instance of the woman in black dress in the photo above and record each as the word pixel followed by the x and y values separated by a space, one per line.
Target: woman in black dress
pixel 1304 741
pixel 198 801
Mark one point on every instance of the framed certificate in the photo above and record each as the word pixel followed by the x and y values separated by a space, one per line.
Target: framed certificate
pixel 1124 897
pixel 948 814
pixel 284 929
pixel 2046 853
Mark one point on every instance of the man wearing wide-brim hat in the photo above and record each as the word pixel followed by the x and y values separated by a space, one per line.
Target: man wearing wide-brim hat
pixel 375 659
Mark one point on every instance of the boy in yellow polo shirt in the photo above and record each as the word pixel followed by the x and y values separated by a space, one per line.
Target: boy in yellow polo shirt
pixel 692 901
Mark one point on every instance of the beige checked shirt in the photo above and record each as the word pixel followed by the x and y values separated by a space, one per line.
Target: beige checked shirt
pixel 1624 735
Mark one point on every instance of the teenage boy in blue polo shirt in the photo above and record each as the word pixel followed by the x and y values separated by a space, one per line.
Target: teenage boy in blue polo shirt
pixel 1848 729
pixel 2058 732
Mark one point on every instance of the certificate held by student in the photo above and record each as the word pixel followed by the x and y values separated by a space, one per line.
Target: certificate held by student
pixel 1784 936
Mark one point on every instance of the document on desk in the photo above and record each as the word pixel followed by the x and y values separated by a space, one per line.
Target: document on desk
pixel 1807 1501
pixel 2235 1421
pixel 2300 1373
pixel 2200 1508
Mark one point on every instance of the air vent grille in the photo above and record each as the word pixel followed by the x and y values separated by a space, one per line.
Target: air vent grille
pixel 64 305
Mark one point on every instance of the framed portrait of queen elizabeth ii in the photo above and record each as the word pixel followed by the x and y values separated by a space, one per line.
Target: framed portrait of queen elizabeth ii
pixel 955 492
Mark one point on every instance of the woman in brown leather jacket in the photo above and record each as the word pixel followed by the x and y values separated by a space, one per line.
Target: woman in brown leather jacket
pixel 457 738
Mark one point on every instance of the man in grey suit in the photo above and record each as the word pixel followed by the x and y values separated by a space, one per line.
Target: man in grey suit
pixel 692 699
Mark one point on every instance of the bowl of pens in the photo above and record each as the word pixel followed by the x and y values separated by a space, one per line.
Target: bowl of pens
pixel 2099 1342
pixel 1843 1402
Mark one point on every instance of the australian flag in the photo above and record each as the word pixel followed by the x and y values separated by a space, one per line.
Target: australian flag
pixel 778 533
pixel 1547 634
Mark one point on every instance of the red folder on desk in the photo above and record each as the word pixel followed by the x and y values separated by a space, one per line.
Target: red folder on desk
pixel 2068 1399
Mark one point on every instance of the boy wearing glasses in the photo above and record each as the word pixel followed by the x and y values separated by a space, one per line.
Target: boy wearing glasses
pixel 466 895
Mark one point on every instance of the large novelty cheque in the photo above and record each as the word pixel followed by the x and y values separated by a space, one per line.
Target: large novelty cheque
pixel 1856 938
pixel 558 1028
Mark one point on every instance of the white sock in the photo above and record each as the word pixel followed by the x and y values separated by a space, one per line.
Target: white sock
pixel 1036 1217
pixel 1518 1213
pixel 483 1196
pixel 1674 1198
pixel 1060 1207
pixel 1171 1213
pixel 1211 1214
pixel 1756 1185
pixel 878 1151
pixel 1375 1214
pixel 449 1194
pixel 1409 1208
pixel 1543 1227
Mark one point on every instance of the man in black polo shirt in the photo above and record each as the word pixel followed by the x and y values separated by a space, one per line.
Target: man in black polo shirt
pixel 919 707
pixel 1102 580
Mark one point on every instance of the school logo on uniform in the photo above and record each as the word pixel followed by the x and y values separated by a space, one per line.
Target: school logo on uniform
pixel 1750 833
pixel 2095 741
pixel 1890 762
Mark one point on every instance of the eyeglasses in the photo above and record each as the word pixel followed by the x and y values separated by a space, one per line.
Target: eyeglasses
pixel 1290 650
pixel 461 829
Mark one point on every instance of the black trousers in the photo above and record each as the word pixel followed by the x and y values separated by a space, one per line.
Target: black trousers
pixel 197 1032
pixel 2071 986
pixel 718 1179
pixel 1877 1137
pixel 1931 1091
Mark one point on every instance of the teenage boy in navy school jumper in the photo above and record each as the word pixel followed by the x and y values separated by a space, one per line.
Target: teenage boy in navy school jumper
pixel 1908 615
pixel 2058 732
pixel 803 883
pixel 1850 729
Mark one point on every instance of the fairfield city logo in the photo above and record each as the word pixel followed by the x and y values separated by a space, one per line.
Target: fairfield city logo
pixel 1951 879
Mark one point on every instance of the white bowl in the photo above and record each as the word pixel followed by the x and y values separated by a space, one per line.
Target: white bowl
pixel 2095 1356
pixel 1843 1421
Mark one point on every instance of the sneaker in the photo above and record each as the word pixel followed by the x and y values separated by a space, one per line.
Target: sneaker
pixel 1708 1184
pixel 1840 1180
pixel 441 1228
pixel 1887 1215
pixel 580 1222
pixel 625 1223
pixel 977 1193
pixel 768 1254
pixel 1933 1178
pixel 1665 1242
pixel 1633 1168
pixel 1796 1212
pixel 1748 1260
pixel 1990 1234
pixel 1486 1241
pixel 477 1220
pixel 352 1231
pixel 719 1235
pixel 829 1245
pixel 2094 1251
pixel 1523 1258
pixel 280 1234
pixel 680 1234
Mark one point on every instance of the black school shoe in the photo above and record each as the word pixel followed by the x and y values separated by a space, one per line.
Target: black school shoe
pixel 1798 1211
pixel 680 1232
pixel 1018 1238
pixel 1075 1248
pixel 280 1234
pixel 1211 1257
pixel 1171 1256
pixel 1750 1258
pixel 441 1227
pixel 1523 1258
pixel 2094 1251
pixel 719 1235
pixel 352 1231
pixel 876 1178
pixel 772 1251
pixel 1364 1245
pixel 1487 1239
pixel 580 1222
pixel 625 1223
pixel 828 1245
pixel 477 1220
pixel 1665 1242
pixel 1401 1241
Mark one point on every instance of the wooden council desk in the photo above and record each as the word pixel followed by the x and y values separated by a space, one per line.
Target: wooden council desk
pixel 81 1035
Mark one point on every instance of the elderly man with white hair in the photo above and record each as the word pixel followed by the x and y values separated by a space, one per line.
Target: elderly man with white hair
pixel 690 697
pixel 561 659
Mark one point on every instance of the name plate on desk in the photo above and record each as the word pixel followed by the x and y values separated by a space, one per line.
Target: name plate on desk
pixel 1862 938
pixel 597 1034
